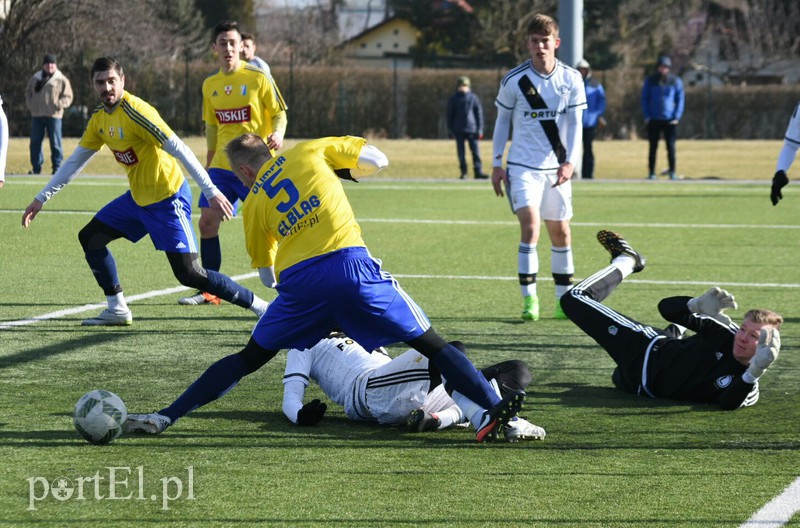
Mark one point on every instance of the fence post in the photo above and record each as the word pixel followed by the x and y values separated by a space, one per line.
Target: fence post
pixel 709 132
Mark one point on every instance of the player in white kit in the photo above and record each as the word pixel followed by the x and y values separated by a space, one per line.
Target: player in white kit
pixel 791 143
pixel 543 99
pixel 371 386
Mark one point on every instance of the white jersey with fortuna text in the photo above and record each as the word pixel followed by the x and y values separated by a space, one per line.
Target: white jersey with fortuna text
pixel 544 101
pixel 336 364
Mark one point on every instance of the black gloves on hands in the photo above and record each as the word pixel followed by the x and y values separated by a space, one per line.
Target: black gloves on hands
pixel 311 413
pixel 779 181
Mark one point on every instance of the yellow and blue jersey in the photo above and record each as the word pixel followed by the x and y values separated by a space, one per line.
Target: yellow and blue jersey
pixel 242 101
pixel 298 206
pixel 135 132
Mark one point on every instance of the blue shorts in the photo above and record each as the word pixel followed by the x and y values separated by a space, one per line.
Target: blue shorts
pixel 229 185
pixel 347 289
pixel 168 222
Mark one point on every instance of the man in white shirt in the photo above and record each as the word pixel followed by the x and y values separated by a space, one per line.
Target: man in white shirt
pixel 373 387
pixel 249 53
pixel 543 99
pixel 791 142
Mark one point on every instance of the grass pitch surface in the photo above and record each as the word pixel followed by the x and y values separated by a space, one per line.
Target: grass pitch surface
pixel 609 460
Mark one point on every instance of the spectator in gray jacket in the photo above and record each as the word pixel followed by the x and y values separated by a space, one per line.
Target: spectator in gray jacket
pixel 465 123
pixel 47 95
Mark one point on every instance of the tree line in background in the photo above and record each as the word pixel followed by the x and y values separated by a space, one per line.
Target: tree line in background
pixel 164 47
pixel 617 33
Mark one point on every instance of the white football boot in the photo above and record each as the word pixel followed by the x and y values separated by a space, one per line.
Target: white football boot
pixel 152 423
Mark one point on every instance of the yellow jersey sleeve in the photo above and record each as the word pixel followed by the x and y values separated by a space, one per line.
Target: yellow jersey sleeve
pixel 299 204
pixel 239 102
pixel 135 132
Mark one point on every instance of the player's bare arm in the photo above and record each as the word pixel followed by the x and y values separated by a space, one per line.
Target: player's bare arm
pixel 499 180
pixel 30 212
pixel 564 173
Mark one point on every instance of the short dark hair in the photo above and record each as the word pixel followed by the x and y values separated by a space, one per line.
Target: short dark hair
pixel 247 36
pixel 223 26
pixel 247 149
pixel 104 64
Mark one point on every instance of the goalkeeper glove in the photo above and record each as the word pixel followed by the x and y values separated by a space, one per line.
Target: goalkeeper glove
pixel 779 181
pixel 311 413
pixel 767 350
pixel 712 303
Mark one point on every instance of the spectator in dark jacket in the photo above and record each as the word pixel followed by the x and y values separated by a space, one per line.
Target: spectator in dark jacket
pixel 465 123
pixel 662 104
pixel 592 116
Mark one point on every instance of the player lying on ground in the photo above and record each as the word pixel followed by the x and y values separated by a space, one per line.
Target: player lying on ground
pixel 373 387
pixel 326 276
pixel 159 202
pixel 721 363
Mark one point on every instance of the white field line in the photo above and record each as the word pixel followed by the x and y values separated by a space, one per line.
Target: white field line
pixel 778 511
pixel 489 222
pixel 178 289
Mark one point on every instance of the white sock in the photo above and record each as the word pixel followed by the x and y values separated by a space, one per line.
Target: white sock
pixel 450 416
pixel 471 410
pixel 527 264
pixel 116 303
pixel 259 306
pixel 561 262
pixel 625 264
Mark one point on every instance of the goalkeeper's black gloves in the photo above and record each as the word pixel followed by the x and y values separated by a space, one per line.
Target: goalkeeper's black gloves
pixel 311 413
pixel 779 181
pixel 345 174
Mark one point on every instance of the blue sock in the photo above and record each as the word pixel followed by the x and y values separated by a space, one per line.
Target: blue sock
pixel 214 383
pixel 104 268
pixel 462 376
pixel 211 253
pixel 229 290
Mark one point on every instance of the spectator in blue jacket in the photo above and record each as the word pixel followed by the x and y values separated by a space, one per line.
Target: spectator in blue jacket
pixel 592 116
pixel 465 123
pixel 662 104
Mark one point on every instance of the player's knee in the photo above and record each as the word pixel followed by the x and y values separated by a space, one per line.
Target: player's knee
pixel 255 356
pixel 84 236
pixel 568 301
pixel 208 223
pixel 521 375
pixel 93 235
pixel 187 269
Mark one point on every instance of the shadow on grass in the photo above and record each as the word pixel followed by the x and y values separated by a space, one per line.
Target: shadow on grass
pixel 578 395
pixel 62 347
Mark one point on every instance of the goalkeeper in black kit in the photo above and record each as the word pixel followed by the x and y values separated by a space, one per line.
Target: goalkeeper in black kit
pixel 721 363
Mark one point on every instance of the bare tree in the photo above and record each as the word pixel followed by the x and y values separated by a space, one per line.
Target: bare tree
pixel 307 35
pixel 142 30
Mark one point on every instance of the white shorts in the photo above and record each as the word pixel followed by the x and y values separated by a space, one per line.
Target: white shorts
pixel 530 188
pixel 395 389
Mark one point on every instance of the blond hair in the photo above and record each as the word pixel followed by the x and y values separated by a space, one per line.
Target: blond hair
pixel 765 317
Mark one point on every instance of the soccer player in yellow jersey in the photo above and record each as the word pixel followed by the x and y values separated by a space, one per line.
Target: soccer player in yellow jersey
pixel 158 203
pixel 326 278
pixel 238 99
